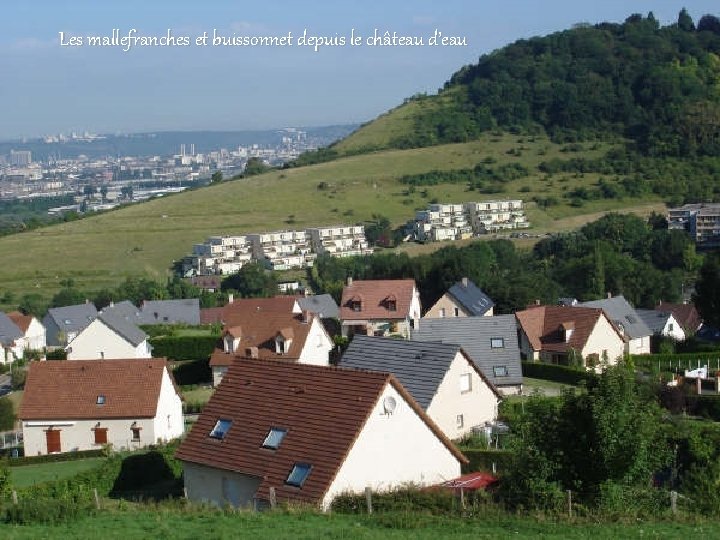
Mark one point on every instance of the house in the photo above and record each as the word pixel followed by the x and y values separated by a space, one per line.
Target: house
pixel 686 315
pixel 562 334
pixel 10 336
pixel 491 342
pixel 379 307
pixel 276 304
pixel 185 311
pixel 62 324
pixel 33 332
pixel 662 323
pixel 322 305
pixel 207 283
pixel 270 335
pixel 84 405
pixel 308 433
pixel 109 336
pixel 627 320
pixel 464 299
pixel 441 377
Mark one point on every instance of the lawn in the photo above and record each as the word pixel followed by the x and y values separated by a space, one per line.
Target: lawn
pixel 28 475
pixel 198 395
pixel 145 239
pixel 169 523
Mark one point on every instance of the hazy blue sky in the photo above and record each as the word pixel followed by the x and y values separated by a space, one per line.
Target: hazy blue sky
pixel 46 88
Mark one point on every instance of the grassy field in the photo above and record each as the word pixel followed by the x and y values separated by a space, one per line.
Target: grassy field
pixel 199 395
pixel 145 239
pixel 28 475
pixel 165 523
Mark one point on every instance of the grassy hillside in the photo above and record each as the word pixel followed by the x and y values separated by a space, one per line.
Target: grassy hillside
pixel 145 239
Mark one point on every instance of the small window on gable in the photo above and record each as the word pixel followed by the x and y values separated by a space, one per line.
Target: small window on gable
pixel 221 428
pixel 465 383
pixel 497 343
pixel 442 313
pixel 298 474
pixel 100 399
pixel 135 432
pixel 274 438
pixel 459 421
pixel 671 327
pixel 500 371
pixel 457 311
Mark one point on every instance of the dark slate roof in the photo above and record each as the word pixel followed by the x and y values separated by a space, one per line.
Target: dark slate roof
pixel 473 334
pixel 321 304
pixel 9 331
pixel 470 297
pixel 128 329
pixel 125 309
pixel 655 320
pixel 623 315
pixel 170 311
pixel 73 318
pixel 420 367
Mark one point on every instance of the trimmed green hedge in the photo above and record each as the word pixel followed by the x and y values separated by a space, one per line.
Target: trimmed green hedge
pixel 482 460
pixel 194 372
pixel 52 458
pixel 184 347
pixel 552 372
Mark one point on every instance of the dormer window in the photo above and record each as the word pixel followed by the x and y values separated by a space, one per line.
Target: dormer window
pixel 355 303
pixel 283 340
pixel 391 302
pixel 228 343
pixel 566 331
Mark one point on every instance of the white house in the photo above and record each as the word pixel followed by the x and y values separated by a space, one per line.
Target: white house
pixel 626 319
pixel 83 405
pixel 443 380
pixel 109 337
pixel 33 332
pixel 281 335
pixel 310 433
pixel 662 323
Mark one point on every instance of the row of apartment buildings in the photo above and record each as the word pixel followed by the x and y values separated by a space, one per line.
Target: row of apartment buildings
pixel 279 250
pixel 701 220
pixel 459 221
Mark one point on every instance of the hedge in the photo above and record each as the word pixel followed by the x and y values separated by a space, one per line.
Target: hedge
pixel 552 372
pixel 184 347
pixel 194 372
pixel 666 362
pixel 52 458
pixel 482 460
pixel 707 406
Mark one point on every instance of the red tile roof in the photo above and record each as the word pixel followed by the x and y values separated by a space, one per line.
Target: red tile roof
pixel 259 329
pixel 685 314
pixel 20 320
pixel 277 304
pixel 323 410
pixel 68 390
pixel 376 298
pixel 543 326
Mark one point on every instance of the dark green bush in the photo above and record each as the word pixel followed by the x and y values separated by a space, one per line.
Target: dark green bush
pixel 183 347
pixel 192 372
pixel 52 458
pixel 48 511
pixel 551 372
pixel 482 460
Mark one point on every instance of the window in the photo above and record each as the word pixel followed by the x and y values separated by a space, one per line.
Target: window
pixel 459 421
pixel 100 399
pixel 442 313
pixel 221 428
pixel 671 327
pixel 274 438
pixel 500 371
pixel 135 433
pixel 465 382
pixel 101 435
pixel 457 312
pixel 298 474
pixel 497 343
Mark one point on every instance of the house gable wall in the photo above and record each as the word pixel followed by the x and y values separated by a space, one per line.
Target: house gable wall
pixel 604 338
pixel 98 341
pixel 318 345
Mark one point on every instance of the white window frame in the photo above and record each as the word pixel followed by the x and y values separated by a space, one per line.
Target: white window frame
pixel 465 383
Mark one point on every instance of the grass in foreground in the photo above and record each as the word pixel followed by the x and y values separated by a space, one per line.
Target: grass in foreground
pixel 28 475
pixel 164 523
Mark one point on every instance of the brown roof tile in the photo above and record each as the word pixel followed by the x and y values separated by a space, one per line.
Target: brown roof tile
pixel 56 390
pixel 277 304
pixel 376 297
pixel 20 320
pixel 686 315
pixel 543 325
pixel 323 410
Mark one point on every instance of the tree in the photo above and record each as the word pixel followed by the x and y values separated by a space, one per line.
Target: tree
pixel 709 23
pixel 103 193
pixel 254 166
pixel 67 296
pixel 685 21
pixel 127 192
pixel 707 291
pixel 7 414
pixel 32 304
pixel 216 177
pixel 252 281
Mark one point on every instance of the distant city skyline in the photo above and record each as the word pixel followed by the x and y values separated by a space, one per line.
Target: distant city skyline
pixel 48 88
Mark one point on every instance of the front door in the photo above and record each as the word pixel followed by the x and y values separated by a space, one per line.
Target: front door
pixel 52 437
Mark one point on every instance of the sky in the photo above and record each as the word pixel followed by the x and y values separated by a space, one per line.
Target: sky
pixel 49 86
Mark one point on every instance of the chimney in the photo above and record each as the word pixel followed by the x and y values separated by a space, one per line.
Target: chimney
pixel 465 282
pixel 537 301
pixel 306 316
pixel 231 298
pixel 349 280
pixel 251 352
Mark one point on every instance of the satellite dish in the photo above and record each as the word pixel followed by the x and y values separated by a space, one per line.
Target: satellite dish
pixel 389 405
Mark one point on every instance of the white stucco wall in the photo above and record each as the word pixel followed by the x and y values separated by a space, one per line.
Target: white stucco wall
pixel 639 345
pixel 78 434
pixel 35 336
pixel 449 304
pixel 604 338
pixel 393 450
pixel 317 346
pixel 219 487
pixel 477 406
pixel 218 372
pixel 98 341
pixel 673 329
pixel 169 422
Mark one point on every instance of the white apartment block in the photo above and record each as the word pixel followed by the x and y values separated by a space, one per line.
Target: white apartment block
pixel 340 241
pixel 221 255
pixel 492 216
pixel 702 221
pixel 283 250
